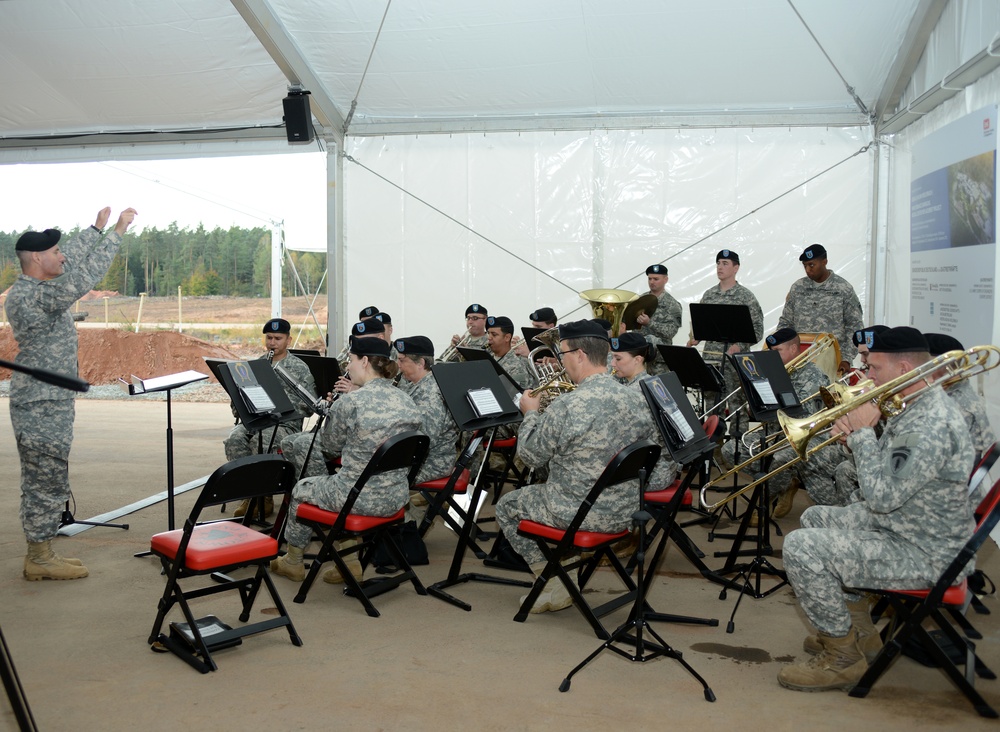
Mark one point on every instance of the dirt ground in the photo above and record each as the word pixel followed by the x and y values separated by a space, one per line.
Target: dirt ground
pixel 107 354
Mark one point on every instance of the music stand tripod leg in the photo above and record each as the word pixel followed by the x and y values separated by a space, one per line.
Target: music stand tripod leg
pixel 631 630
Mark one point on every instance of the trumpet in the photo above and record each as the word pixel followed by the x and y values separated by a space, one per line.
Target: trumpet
pixel 450 351
pixel 889 398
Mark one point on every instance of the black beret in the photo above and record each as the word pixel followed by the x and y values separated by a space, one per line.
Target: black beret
pixel 369 312
pixel 368 328
pixel 37 241
pixel 727 254
pixel 864 336
pixel 583 329
pixel 657 269
pixel 415 346
pixel 630 341
pixel 477 309
pixel 277 325
pixel 369 347
pixel 505 324
pixel 782 335
pixel 544 315
pixel 938 343
pixel 384 318
pixel 899 340
pixel 605 324
pixel 816 251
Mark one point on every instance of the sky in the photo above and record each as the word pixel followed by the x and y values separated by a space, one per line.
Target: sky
pixel 219 191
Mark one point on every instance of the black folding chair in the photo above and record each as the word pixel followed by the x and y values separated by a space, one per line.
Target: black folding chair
pixel 406 450
pixel 913 608
pixel 558 544
pixel 217 548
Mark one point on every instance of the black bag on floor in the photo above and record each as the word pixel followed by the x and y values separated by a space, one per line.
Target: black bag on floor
pixel 408 537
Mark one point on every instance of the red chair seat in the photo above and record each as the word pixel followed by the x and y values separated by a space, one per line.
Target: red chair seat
pixel 505 444
pixel 216 545
pixel 666 495
pixel 583 539
pixel 355 522
pixel 954 595
pixel 438 484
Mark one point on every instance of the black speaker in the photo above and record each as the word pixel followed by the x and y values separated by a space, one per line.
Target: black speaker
pixel 298 118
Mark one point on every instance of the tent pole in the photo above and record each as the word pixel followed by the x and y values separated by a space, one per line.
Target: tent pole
pixel 336 327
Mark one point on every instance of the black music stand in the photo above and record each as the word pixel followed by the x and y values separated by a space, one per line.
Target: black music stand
pixel 300 352
pixel 727 324
pixel 456 380
pixel 768 390
pixel 631 631
pixel 692 370
pixel 688 446
pixel 165 384
pixel 530 333
pixel 325 371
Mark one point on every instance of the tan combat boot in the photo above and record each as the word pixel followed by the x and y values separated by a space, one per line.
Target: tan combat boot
pixel 553 598
pixel 869 640
pixel 784 504
pixel 290 564
pixel 840 665
pixel 241 509
pixel 332 575
pixel 42 563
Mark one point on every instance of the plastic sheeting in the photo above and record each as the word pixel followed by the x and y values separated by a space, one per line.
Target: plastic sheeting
pixel 551 214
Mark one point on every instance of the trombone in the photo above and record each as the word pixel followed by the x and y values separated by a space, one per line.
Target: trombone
pixel 889 398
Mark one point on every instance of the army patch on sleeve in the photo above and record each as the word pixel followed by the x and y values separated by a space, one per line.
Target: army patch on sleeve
pixel 901 455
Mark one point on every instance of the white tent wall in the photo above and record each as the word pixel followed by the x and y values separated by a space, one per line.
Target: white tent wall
pixel 964 29
pixel 593 209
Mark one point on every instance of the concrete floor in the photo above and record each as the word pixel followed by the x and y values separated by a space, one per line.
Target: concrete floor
pixel 80 647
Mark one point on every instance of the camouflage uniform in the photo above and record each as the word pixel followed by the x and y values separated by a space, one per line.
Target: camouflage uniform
pixel 577 436
pixel 41 414
pixel 517 367
pixel 241 442
pixel 712 353
pixel 666 320
pixel 359 423
pixel 973 409
pixel 912 517
pixel 824 307
pixel 439 426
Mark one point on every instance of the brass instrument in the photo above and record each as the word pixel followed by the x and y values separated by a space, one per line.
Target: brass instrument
pixel 889 398
pixel 609 305
pixel 450 351
pixel 824 351
pixel 550 342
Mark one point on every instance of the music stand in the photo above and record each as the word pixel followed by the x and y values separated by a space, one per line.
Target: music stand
pixel 727 324
pixel 456 380
pixel 149 386
pixel 692 370
pixel 688 445
pixel 300 352
pixel 325 371
pixel 530 333
pixel 768 390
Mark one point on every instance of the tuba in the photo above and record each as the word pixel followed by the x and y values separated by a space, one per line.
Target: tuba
pixel 609 305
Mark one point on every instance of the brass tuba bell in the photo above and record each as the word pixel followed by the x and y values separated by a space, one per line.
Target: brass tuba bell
pixel 609 305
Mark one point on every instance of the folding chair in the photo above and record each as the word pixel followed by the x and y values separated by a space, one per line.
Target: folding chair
pixel 913 607
pixel 558 544
pixel 217 548
pixel 406 450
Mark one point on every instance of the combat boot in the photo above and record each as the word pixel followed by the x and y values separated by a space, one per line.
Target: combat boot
pixel 840 665
pixel 784 503
pixel 332 575
pixel 290 564
pixel 869 640
pixel 553 598
pixel 244 506
pixel 42 563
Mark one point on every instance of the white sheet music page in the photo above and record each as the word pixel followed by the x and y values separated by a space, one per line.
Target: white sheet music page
pixel 765 392
pixel 484 402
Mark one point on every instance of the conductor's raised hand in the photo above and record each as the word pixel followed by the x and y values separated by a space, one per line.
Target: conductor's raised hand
pixel 124 219
pixel 102 218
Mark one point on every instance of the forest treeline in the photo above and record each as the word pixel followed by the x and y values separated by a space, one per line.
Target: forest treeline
pixel 234 262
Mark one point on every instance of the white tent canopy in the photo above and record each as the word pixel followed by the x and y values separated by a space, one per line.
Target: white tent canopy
pixel 515 153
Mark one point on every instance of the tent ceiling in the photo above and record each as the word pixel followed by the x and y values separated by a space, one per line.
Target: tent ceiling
pixel 197 68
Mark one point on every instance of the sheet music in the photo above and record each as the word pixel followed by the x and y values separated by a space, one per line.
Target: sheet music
pixel 672 413
pixel 256 399
pixel 484 402
pixel 765 392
